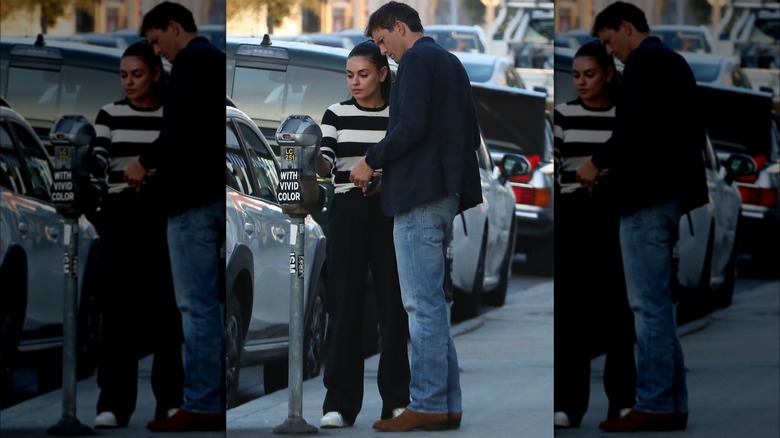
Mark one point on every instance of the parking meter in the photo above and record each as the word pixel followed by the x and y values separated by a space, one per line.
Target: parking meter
pixel 71 191
pixel 70 136
pixel 298 191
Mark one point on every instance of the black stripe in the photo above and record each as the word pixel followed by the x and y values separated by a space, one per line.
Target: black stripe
pixel 363 123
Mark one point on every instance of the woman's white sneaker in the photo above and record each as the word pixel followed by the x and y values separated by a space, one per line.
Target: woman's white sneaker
pixel 333 420
pixel 106 420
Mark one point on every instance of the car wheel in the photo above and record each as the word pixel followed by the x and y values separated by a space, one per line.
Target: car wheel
pixel 465 304
pixel 314 334
pixel 497 297
pixel 234 341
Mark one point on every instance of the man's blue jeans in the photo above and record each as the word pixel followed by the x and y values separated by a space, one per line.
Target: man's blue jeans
pixel 194 240
pixel 421 236
pixel 647 238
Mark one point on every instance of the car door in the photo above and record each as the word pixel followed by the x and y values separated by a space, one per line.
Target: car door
pixel 37 226
pixel 264 228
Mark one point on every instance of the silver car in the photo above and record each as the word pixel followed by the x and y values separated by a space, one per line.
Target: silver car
pixel 257 269
pixel 482 276
pixel 33 238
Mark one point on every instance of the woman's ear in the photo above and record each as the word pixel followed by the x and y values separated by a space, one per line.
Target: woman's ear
pixel 610 74
pixel 157 73
pixel 383 73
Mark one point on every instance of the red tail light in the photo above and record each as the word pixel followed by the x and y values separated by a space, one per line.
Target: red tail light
pixel 532 196
pixel 758 196
pixel 526 177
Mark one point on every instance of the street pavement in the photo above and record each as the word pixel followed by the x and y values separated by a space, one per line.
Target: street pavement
pixel 506 361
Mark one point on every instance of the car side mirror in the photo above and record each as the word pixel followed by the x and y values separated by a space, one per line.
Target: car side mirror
pixel 514 166
pixel 739 165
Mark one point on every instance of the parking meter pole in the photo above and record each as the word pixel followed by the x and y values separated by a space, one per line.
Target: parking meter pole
pixel 298 194
pixel 69 425
pixel 295 424
pixel 71 136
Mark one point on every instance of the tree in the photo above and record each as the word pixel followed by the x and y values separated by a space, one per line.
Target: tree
pixel 276 10
pixel 51 10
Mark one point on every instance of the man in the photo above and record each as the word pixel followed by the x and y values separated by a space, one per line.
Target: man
pixel 430 175
pixel 657 173
pixel 188 158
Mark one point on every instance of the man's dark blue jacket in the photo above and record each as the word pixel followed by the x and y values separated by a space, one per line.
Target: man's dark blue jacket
pixel 656 149
pixel 432 134
pixel 189 152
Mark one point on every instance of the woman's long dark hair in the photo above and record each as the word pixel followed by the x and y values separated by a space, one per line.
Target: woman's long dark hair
pixel 370 50
pixel 145 51
pixel 597 51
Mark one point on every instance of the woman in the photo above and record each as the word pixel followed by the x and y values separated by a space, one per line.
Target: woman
pixel 361 240
pixel 139 313
pixel 587 323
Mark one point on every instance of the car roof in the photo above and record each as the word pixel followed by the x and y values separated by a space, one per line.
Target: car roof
pixel 79 54
pixel 285 52
pixel 704 58
pixel 477 58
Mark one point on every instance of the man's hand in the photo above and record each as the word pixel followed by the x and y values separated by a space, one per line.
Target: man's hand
pixel 361 173
pixel 135 174
pixel 587 174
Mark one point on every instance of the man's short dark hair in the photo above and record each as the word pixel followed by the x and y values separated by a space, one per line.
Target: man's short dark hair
pixel 159 16
pixel 611 17
pixel 388 13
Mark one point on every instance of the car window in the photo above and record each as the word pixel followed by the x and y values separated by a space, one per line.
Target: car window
pixel 262 161
pixel 46 94
pixel 238 176
pixel 37 162
pixel 10 165
pixel 478 72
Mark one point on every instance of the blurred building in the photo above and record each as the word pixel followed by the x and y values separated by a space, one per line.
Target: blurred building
pixel 573 14
pixel 105 16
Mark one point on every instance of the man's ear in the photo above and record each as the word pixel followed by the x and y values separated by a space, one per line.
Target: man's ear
pixel 174 27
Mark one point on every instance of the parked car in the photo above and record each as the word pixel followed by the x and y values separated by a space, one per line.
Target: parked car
pixel 490 69
pixel 515 121
pixel 717 69
pixel 257 266
pixel 46 81
pixel 33 239
pixel 483 276
pixel 684 38
pixel 458 38
pixel 742 122
pixel 330 39
pixel 572 38
pixel 96 39
pixel 356 35
pixel 705 257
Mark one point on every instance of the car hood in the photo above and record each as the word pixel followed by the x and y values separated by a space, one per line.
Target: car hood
pixel 512 120
pixel 738 120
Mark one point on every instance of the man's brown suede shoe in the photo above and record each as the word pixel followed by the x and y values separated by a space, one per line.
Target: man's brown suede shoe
pixel 638 420
pixel 183 421
pixel 453 420
pixel 410 420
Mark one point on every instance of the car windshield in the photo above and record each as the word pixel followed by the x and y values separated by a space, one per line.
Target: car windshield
pixel 705 72
pixel 478 72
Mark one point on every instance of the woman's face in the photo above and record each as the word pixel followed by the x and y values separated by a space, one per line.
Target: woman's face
pixel 364 79
pixel 589 78
pixel 136 78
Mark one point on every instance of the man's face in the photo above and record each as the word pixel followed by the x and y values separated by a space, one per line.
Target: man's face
pixel 616 41
pixel 164 41
pixel 389 41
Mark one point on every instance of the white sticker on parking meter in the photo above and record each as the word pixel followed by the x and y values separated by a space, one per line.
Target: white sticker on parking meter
pixel 292 263
pixel 289 187
pixel 63 189
pixel 66 263
pixel 293 235
pixel 300 266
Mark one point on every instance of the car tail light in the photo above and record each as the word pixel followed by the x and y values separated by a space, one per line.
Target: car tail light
pixel 532 196
pixel 758 196
pixel 760 162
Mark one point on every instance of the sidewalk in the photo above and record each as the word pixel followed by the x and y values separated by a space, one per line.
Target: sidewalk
pixel 732 362
pixel 505 357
